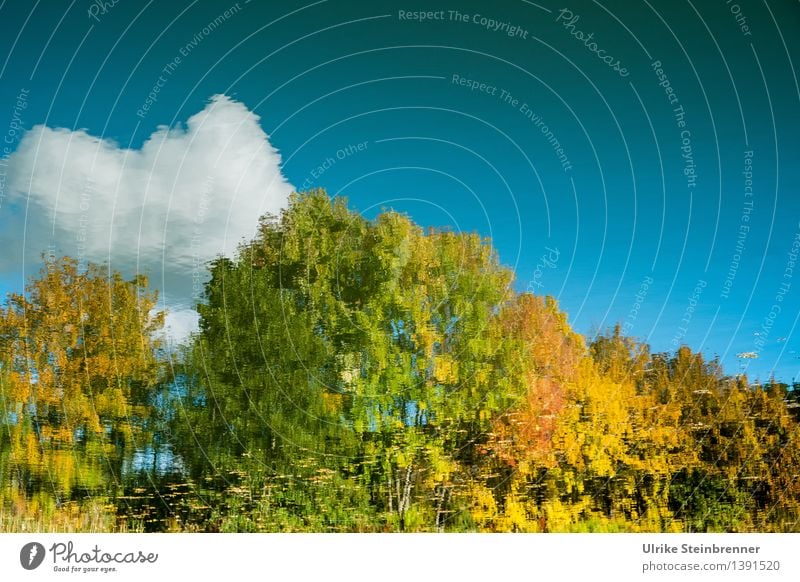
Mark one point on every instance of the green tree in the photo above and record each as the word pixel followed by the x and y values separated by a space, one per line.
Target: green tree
pixel 361 348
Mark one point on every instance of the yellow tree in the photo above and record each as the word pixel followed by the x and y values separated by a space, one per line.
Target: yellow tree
pixel 79 368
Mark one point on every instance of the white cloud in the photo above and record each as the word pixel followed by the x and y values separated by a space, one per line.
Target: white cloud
pixel 189 194
pixel 179 323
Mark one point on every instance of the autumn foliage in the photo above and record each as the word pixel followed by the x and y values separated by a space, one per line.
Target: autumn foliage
pixel 370 375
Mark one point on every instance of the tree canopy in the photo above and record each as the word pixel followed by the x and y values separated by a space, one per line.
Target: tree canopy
pixel 371 375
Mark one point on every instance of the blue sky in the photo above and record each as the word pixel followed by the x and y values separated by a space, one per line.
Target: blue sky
pixel 636 160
